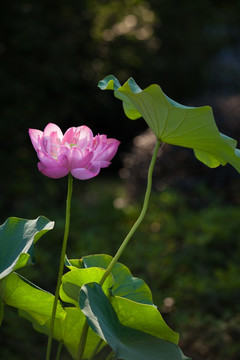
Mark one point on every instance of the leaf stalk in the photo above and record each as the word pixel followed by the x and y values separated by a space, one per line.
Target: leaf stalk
pixel 139 219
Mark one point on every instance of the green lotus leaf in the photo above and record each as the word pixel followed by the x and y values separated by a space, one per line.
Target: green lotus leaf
pixel 35 305
pixel 17 237
pixel 68 330
pixel 125 284
pixel 131 297
pixel 73 280
pixel 127 343
pixel 18 292
pixel 143 317
pixel 176 124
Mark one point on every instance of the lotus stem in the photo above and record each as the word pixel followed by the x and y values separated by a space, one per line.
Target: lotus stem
pixel 61 265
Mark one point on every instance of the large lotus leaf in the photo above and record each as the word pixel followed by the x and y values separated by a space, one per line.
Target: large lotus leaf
pixel 68 330
pixel 143 317
pixel 176 124
pixel 125 284
pixel 18 292
pixel 16 239
pixel 127 343
pixel 131 298
pixel 73 280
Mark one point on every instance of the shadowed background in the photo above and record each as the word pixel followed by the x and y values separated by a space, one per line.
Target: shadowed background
pixel 52 55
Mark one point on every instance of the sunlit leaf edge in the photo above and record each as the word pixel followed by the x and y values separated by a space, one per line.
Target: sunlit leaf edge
pixel 22 256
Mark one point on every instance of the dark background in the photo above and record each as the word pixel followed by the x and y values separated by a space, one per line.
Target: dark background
pixel 52 55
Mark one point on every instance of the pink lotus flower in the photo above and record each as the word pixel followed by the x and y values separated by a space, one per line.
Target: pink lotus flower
pixel 77 151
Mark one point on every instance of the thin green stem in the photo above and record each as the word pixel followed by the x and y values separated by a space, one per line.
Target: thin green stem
pixel 82 342
pixel 124 243
pixel 139 219
pixel 59 350
pixel 95 349
pixel 61 265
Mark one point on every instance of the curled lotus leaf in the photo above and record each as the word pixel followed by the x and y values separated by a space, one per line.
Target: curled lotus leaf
pixel 176 124
pixel 17 237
